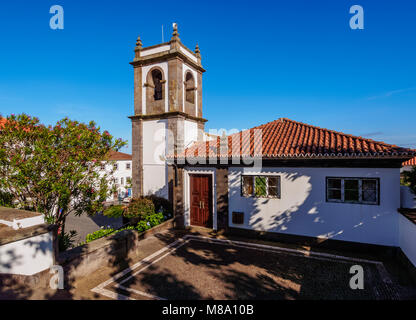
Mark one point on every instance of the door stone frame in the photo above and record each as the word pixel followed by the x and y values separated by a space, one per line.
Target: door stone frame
pixel 187 191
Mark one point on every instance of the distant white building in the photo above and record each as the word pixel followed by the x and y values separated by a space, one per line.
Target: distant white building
pixel 408 165
pixel 121 172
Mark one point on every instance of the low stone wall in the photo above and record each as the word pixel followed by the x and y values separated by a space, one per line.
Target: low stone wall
pixel 84 260
pixel 407 234
pixel 107 251
pixel 27 251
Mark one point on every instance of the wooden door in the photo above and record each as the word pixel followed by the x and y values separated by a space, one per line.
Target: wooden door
pixel 201 200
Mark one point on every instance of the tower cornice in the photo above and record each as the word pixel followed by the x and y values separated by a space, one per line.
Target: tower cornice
pixel 167 115
pixel 165 55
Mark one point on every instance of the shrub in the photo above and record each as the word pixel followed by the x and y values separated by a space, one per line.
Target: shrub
pixel 114 211
pixel 410 179
pixel 139 208
pixel 6 199
pixel 161 204
pixel 66 240
pixel 98 234
pixel 147 222
pixel 150 221
pixel 103 233
pixel 143 225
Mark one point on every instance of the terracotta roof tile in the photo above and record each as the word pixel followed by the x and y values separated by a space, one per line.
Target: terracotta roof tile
pixel 115 156
pixel 285 138
pixel 411 162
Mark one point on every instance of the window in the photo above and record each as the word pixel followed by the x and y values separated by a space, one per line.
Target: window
pixel 128 166
pixel 102 166
pixel 190 88
pixel 122 181
pixel 353 190
pixel 157 82
pixel 261 186
pixel 115 167
pixel 238 218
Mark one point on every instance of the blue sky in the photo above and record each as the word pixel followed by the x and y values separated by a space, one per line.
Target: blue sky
pixel 264 60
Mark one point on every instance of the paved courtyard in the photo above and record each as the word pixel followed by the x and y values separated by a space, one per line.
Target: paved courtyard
pixel 85 224
pixel 197 267
pixel 201 265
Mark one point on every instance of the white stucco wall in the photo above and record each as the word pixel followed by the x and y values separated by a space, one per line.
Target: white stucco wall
pixel 407 238
pixel 303 210
pixel 188 54
pixel 27 256
pixel 407 198
pixel 146 52
pixel 154 152
pixel 406 168
pixel 191 132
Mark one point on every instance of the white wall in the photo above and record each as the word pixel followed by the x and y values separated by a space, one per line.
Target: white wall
pixel 407 198
pixel 154 151
pixel 406 168
pixel 27 256
pixel 146 52
pixel 407 238
pixel 188 54
pixel 303 210
pixel 191 132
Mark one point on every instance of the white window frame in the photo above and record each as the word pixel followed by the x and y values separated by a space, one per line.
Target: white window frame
pixel 253 195
pixel 360 191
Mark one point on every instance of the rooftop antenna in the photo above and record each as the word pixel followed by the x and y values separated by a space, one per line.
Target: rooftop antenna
pixel 162 35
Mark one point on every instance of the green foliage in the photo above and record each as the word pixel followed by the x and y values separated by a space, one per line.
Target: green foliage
pixel 66 240
pixel 55 169
pixel 6 199
pixel 98 234
pixel 148 222
pixel 104 232
pixel 114 211
pixel 409 178
pixel 139 208
pixel 161 204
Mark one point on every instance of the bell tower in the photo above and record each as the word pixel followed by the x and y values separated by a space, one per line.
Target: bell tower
pixel 167 110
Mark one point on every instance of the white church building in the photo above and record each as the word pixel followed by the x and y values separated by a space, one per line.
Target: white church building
pixel 284 179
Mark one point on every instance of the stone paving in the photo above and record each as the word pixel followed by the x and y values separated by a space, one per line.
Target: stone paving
pixel 187 265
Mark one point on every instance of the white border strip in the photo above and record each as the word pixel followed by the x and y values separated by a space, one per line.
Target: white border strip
pixel 100 288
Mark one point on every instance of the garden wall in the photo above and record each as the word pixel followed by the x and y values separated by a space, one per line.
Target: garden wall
pixel 107 251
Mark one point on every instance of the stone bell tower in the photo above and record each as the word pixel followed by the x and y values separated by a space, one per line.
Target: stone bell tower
pixel 167 110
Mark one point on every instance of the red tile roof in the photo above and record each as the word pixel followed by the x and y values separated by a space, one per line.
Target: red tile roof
pixel 115 156
pixel 285 138
pixel 411 162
